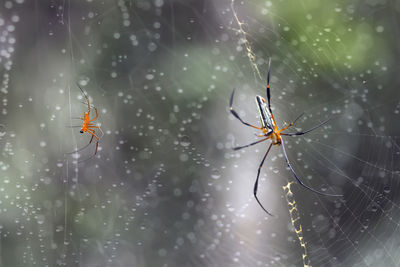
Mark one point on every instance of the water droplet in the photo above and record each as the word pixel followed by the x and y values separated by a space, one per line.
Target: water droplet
pixel 386 189
pixel 184 140
pixel 215 174
pixel 184 157
pixel 162 252
pixel 324 187
pixel 40 219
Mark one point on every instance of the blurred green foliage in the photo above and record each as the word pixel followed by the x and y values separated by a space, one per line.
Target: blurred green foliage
pixel 342 34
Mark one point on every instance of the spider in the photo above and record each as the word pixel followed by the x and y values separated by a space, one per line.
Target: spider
pixel 88 126
pixel 270 131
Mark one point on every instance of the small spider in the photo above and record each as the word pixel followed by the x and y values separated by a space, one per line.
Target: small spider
pixel 270 131
pixel 88 126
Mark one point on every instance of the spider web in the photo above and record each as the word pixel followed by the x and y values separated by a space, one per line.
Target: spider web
pixel 165 188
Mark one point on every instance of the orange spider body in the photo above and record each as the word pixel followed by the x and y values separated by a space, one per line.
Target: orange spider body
pixel 88 125
pixel 85 124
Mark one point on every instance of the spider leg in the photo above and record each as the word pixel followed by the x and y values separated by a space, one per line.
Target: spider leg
pixel 86 97
pixel 292 123
pixel 92 156
pixel 82 148
pixel 298 179
pixel 78 150
pixel 85 103
pixel 309 130
pixel 97 145
pixel 267 89
pixel 258 176
pixel 234 113
pixel 98 138
pixel 102 133
pixel 95 117
pixel 92 132
pixel 269 93
pixel 98 127
pixel 298 117
pixel 254 143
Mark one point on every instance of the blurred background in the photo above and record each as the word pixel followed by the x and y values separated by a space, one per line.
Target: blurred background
pixel 165 187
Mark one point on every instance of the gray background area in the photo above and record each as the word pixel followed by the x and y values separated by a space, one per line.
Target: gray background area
pixel 166 188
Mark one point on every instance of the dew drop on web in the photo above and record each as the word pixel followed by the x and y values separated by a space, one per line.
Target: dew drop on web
pixel 215 174
pixel 184 141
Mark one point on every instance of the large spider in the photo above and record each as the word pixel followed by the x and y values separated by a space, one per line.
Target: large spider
pixel 270 131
